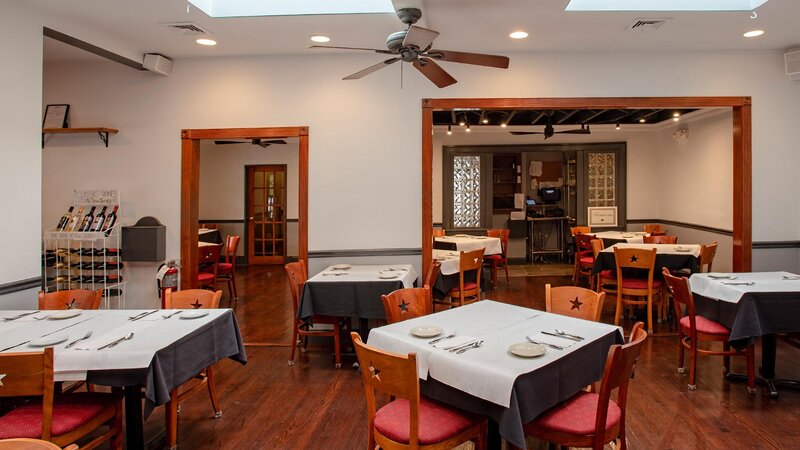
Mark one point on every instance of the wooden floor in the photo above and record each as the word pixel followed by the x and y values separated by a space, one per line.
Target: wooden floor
pixel 270 405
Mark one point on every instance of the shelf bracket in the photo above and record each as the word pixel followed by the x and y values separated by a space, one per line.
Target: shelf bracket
pixel 103 137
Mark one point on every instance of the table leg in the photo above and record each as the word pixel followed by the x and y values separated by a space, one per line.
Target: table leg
pixel 767 369
pixel 134 427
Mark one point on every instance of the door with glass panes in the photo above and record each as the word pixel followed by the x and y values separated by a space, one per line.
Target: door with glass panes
pixel 266 213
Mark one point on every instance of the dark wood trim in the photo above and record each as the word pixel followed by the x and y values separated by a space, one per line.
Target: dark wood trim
pixel 676 223
pixel 764 245
pixel 83 45
pixel 20 285
pixel 349 253
pixel 742 151
pixel 190 187
pixel 235 220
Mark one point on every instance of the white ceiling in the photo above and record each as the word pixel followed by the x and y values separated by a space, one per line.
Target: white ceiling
pixel 466 25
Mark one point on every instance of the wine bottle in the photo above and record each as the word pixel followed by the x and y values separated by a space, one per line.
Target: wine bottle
pixel 87 220
pixel 111 219
pixel 64 219
pixel 98 220
pixel 73 222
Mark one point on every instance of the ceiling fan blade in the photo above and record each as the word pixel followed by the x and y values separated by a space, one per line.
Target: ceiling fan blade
pixel 434 72
pixel 478 59
pixel 419 37
pixel 274 141
pixel 388 52
pixel 228 142
pixel 370 69
pixel 524 133
pixel 584 131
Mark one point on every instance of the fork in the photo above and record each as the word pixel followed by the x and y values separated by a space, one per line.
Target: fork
pixel 167 316
pixel 554 347
pixel 451 335
pixel 86 336
pixel 114 343
pixel 574 336
pixel 474 345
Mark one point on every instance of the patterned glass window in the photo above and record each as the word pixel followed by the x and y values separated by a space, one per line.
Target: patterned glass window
pixel 602 179
pixel 466 191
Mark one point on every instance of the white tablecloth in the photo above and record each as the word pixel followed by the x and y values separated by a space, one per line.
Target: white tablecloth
pixel 662 249
pixel 487 372
pixel 404 272
pixel 467 243
pixel 732 289
pixel 449 259
pixel 630 237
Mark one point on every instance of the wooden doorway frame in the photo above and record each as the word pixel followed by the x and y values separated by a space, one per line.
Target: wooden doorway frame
pixel 742 152
pixel 190 188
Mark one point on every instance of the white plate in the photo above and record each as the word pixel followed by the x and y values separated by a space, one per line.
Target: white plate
pixel 193 314
pixel 341 266
pixel 47 341
pixel 527 350
pixel 65 314
pixel 628 235
pixel 387 275
pixel 720 276
pixel 426 331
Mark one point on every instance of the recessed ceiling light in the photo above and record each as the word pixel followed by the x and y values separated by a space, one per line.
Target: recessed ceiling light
pixel 518 35
pixel 320 38
pixel 753 33
pixel 206 41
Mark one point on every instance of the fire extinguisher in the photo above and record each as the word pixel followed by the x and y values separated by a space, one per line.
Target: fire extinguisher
pixel 167 278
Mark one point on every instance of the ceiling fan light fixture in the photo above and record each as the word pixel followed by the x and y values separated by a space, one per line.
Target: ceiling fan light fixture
pixel 518 35
pixel 321 38
pixel 206 41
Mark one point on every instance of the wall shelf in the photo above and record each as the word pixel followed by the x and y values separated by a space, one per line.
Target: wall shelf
pixel 103 132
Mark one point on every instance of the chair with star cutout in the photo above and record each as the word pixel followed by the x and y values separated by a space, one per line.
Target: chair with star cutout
pixel 190 299
pixel 469 265
pixel 584 258
pixel 208 268
pixel 636 285
pixel 574 302
pixel 70 299
pixel 408 420
pixel 660 239
pixel 407 303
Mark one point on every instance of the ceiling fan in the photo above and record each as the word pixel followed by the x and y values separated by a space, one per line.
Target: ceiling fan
pixel 549 131
pixel 261 142
pixel 414 44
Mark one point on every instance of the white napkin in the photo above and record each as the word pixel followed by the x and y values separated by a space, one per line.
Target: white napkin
pixel 552 340
pixel 454 342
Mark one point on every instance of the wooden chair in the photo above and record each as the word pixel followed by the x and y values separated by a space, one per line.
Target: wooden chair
pixel 584 258
pixel 190 299
pixel 637 260
pixel 61 419
pixel 408 303
pixel 580 230
pixel 410 421
pixel 467 291
pixel 439 232
pixel 607 279
pixel 210 226
pixel 592 419
pixel 226 271
pixel 653 228
pixel 498 261
pixel 32 444
pixel 209 266
pixel 574 302
pixel 433 273
pixel 707 253
pixel 70 299
pixel 298 274
pixel 660 239
pixel 659 233
pixel 693 329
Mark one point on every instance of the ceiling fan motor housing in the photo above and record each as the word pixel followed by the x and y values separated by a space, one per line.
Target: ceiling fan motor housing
pixel 409 16
pixel 395 40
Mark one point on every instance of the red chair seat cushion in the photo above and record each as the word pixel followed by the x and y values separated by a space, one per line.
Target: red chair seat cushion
pixel 204 276
pixel 497 258
pixel 468 286
pixel 436 421
pixel 705 325
pixel 224 268
pixel 69 412
pixel 639 283
pixel 577 415
pixel 608 274
pixel 587 260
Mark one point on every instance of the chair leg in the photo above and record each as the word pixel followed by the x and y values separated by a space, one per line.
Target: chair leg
pixel 619 308
pixel 483 436
pixel 650 314
pixel 494 274
pixel 751 369
pixel 294 346
pixel 116 440
pixel 726 360
pixel 681 366
pixel 212 392
pixel 172 419
pixel 575 272
pixel 693 366
pixel 337 350
pixel 505 267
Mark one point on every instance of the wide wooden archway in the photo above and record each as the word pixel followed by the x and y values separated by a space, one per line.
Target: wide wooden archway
pixel 190 188
pixel 742 152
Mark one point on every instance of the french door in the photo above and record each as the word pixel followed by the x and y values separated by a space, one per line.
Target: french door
pixel 266 213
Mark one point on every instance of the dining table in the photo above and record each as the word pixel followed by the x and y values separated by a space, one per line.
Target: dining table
pixel 152 350
pixel 630 237
pixel 210 235
pixel 486 362
pixel 448 273
pixel 673 257
pixel 752 305
pixel 468 243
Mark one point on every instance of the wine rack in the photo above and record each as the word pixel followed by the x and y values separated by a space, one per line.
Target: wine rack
pixel 86 259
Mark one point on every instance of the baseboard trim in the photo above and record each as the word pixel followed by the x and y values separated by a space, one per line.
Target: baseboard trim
pixel 349 253
pixel 21 285
pixel 762 245
pixel 676 223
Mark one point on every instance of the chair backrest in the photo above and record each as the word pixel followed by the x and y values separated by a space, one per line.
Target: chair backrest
pixel 209 258
pixel 707 253
pixel 70 299
pixel 298 275
pixel 583 242
pixel 652 227
pixel 597 246
pixel 408 303
pixel 659 233
pixel 391 374
pixel 610 242
pixel 660 239
pixel 469 261
pixel 580 230
pixel 635 258
pixel 433 273
pixel 438 232
pixel 681 295
pixel 192 299
pixel 231 248
pixel 30 374
pixel 620 363
pixel 502 234
pixel 574 301
pixel 210 226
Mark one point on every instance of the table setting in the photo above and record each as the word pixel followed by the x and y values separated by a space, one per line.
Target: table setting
pixel 672 256
pixel 467 243
pixel 630 237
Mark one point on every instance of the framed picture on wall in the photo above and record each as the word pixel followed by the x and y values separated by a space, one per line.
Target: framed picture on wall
pixel 56 116
pixel 602 216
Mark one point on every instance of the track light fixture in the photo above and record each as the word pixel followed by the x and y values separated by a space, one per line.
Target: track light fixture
pixel 449 130
pixel 467 129
pixel 617 127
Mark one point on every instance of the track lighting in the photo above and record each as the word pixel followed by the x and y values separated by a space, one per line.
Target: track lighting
pixel 467 129
pixel 617 127
pixel 449 130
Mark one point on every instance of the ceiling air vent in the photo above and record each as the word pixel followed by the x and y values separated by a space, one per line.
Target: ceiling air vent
pixel 646 24
pixel 187 28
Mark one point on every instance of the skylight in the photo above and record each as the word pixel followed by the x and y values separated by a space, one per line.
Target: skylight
pixel 249 8
pixel 664 5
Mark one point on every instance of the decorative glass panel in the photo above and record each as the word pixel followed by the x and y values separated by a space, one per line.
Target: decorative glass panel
pixel 602 179
pixel 466 191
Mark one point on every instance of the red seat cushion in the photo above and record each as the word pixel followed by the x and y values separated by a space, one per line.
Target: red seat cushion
pixel 224 268
pixel 639 283
pixel 468 286
pixel 705 325
pixel 577 415
pixel 608 274
pixel 498 258
pixel 69 412
pixel 204 276
pixel 585 252
pixel 436 421
pixel 587 260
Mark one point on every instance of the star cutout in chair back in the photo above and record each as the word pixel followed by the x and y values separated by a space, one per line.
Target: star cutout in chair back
pixel 196 304
pixel 634 258
pixel 374 371
pixel 71 305
pixel 576 304
pixel 403 306
pixel 2 375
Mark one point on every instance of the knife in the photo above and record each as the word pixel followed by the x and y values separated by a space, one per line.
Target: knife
pixel 143 315
pixel 18 316
pixel 565 336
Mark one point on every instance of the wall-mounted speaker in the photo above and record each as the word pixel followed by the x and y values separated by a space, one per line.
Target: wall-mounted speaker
pixel 791 60
pixel 157 63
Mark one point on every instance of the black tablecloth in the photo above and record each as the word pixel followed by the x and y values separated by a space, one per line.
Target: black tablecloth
pixel 534 392
pixel 360 299
pixel 213 237
pixel 672 261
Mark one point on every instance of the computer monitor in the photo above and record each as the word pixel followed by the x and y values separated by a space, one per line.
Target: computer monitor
pixel 551 195
pixel 530 202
